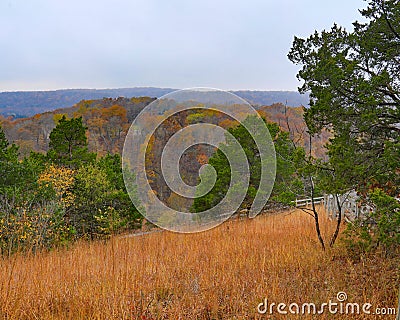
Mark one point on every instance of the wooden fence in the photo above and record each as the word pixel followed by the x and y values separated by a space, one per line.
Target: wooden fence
pixel 351 207
pixel 307 202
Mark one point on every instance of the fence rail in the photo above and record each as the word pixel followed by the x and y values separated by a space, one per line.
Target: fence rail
pixel 352 206
pixel 349 202
pixel 306 202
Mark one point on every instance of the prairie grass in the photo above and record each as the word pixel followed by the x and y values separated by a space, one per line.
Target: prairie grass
pixel 220 274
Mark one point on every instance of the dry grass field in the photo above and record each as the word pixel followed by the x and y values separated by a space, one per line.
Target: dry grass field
pixel 220 274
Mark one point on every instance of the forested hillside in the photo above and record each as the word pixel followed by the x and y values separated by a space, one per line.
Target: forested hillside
pixel 108 120
pixel 28 103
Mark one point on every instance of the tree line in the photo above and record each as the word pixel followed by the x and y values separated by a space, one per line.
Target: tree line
pixel 51 199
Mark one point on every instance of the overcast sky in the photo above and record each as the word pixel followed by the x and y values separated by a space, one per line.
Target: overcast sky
pixel 50 44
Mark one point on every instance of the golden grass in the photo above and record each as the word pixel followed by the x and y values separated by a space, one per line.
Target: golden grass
pixel 220 274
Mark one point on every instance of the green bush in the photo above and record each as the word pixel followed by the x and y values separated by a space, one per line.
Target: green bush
pixel 379 231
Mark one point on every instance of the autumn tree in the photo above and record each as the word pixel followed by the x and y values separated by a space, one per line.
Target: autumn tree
pixel 109 125
pixel 61 180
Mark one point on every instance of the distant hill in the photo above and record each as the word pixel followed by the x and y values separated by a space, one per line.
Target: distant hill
pixel 267 98
pixel 108 120
pixel 28 103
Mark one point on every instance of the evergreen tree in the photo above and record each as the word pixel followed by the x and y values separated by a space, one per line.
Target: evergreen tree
pixel 287 184
pixel 68 143
pixel 353 79
pixel 10 168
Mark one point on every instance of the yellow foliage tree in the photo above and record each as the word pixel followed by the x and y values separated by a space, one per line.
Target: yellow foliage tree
pixel 58 116
pixel 61 180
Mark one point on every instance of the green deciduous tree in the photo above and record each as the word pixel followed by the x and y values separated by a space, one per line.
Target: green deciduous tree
pixel 112 166
pixel 91 191
pixel 101 204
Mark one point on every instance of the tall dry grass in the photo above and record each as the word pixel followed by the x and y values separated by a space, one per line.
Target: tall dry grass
pixel 220 274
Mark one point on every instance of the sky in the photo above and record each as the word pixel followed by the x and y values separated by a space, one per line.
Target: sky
pixel 47 44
